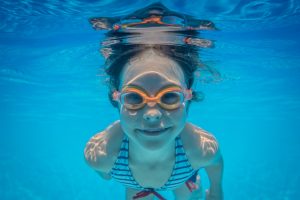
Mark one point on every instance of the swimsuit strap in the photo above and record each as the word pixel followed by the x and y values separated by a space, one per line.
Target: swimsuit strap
pixel 146 193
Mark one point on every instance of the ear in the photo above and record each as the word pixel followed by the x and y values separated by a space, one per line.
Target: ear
pixel 189 94
pixel 115 95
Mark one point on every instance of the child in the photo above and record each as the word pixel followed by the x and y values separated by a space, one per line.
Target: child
pixel 152 147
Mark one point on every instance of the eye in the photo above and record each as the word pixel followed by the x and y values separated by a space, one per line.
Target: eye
pixel 132 98
pixel 171 97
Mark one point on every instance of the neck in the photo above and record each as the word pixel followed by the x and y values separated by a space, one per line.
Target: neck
pixel 139 154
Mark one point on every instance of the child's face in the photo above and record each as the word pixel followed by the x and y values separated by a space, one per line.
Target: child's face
pixel 151 73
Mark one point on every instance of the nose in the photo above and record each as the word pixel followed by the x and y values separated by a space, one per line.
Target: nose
pixel 152 115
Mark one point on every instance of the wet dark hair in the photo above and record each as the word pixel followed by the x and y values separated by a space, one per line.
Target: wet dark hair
pixel 128 36
pixel 118 53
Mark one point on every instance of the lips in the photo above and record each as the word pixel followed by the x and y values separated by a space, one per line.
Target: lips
pixel 153 131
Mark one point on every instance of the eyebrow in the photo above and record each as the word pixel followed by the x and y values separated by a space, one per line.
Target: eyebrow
pixel 163 87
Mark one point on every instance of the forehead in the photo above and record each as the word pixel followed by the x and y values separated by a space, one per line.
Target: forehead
pixel 152 82
pixel 151 72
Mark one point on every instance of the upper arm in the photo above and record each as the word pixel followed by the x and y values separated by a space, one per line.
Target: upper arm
pixel 104 175
pixel 95 152
pixel 209 148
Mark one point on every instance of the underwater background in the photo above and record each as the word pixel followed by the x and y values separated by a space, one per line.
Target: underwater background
pixel 53 98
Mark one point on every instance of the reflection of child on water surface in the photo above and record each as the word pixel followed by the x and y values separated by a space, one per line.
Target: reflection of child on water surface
pixel 152 147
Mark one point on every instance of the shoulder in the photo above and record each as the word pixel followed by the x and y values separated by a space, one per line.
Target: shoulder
pixel 102 149
pixel 202 147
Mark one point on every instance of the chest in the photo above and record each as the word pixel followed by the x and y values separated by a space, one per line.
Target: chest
pixel 152 176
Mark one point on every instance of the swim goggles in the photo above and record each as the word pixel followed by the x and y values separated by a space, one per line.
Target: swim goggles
pixel 169 98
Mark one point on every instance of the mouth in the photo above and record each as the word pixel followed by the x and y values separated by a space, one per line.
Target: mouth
pixel 153 132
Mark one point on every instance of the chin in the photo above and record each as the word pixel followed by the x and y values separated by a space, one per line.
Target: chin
pixel 153 145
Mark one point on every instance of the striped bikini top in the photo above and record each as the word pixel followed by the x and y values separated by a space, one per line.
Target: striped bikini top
pixel 182 170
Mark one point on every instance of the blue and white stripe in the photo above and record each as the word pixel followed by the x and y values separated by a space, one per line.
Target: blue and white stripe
pixel 182 169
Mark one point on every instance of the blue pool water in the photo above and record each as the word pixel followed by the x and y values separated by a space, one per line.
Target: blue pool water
pixel 52 96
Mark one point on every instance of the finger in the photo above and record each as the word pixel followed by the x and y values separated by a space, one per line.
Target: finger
pixel 207 192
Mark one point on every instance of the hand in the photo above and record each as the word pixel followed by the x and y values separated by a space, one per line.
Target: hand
pixel 213 196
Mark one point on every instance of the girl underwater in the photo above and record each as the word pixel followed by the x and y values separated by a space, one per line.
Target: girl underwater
pixel 152 147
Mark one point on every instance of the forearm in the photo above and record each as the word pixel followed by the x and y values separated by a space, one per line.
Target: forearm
pixel 215 175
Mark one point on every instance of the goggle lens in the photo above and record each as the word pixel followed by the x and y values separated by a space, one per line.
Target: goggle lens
pixel 171 98
pixel 131 98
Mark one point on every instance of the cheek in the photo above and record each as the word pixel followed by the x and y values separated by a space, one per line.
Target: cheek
pixel 128 116
pixel 177 115
pixel 129 113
